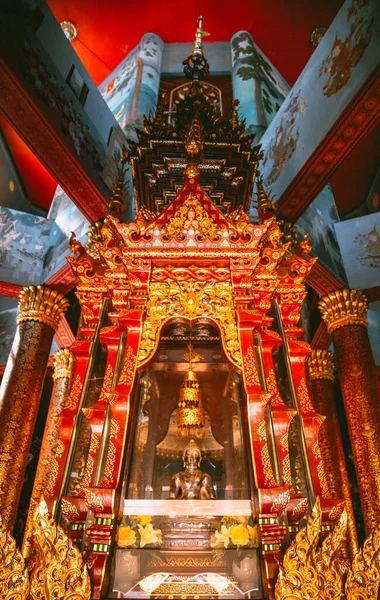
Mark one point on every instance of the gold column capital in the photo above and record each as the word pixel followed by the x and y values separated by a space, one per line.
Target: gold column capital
pixel 344 307
pixel 64 362
pixel 41 303
pixel 321 365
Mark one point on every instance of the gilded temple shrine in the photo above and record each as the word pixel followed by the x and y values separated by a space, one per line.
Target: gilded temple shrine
pixel 183 450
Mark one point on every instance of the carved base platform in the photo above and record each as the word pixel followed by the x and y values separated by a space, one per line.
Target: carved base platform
pixel 185 566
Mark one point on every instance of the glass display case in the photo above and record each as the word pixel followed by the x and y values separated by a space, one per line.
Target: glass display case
pixel 186 519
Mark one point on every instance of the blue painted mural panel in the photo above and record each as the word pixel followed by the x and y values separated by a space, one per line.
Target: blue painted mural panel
pixel 359 241
pixel 256 83
pixel 23 242
pixel 319 221
pixel 341 64
pixel 66 217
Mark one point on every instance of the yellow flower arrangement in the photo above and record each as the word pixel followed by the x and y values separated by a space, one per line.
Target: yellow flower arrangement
pixel 137 532
pixel 239 535
pixel 126 537
pixel 149 535
pixel 236 531
pixel 222 536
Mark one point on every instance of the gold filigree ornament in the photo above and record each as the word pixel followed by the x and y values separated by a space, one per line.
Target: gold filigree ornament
pixel 321 365
pixel 190 300
pixel 363 578
pixel 311 570
pixel 191 216
pixel 64 362
pixel 40 303
pixel 190 415
pixel 14 583
pixel 58 571
pixel 344 307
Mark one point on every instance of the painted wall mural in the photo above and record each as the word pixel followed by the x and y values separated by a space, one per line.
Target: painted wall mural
pixel 359 241
pixel 8 324
pixel 319 221
pixel 23 242
pixel 286 137
pixel 340 65
pixel 131 90
pixel 65 218
pixel 346 54
pixel 256 83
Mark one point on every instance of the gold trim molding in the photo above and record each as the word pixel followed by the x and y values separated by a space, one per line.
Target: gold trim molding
pixel 190 300
pixel 311 569
pixel 344 307
pixel 321 365
pixel 41 303
pixel 58 570
pixel 64 362
pixel 14 582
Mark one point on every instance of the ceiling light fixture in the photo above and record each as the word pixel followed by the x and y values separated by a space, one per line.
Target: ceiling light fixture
pixel 316 35
pixel 69 30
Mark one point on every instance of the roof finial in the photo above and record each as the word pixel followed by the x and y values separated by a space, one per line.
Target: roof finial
pixel 116 205
pixel 199 35
pixel 265 208
pixel 196 65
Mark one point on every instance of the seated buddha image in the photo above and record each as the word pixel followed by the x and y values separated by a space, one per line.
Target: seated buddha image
pixel 192 483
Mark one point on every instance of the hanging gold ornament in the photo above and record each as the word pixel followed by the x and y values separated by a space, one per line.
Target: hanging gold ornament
pixel 190 415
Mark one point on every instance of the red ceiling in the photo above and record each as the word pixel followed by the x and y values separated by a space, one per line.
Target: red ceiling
pixel 108 31
pixel 39 184
pixel 352 181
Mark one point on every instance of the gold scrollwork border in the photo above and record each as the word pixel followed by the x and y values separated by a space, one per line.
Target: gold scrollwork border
pixel 190 300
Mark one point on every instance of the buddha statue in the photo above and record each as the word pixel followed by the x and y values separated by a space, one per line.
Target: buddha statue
pixel 192 483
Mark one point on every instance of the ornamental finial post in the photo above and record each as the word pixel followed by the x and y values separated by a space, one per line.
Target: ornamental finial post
pixel 344 307
pixel 199 35
pixel 196 65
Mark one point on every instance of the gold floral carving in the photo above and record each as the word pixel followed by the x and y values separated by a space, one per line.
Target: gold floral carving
pixel 109 466
pixel 189 273
pixel 191 215
pixel 93 501
pixel 303 397
pixel 75 393
pixel 69 510
pixel 321 365
pixel 250 369
pixel 276 399
pixel 269 479
pixel 323 480
pixel 344 307
pixel 363 578
pixel 19 399
pixel 64 362
pixel 14 582
pixel 191 300
pixel 40 303
pixel 280 503
pixel 128 371
pixel 300 508
pixel 107 382
pixel 310 570
pixel 58 570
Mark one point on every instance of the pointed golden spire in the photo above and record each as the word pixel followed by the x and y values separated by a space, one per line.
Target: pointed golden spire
pixel 265 208
pixel 116 206
pixel 234 118
pixel 190 415
pixel 199 35
pixel 196 65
